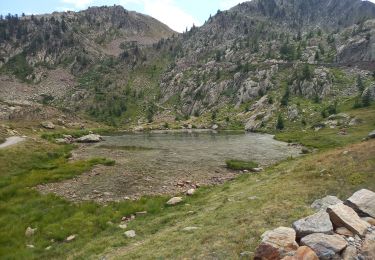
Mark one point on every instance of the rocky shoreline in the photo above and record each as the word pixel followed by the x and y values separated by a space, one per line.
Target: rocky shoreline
pixel 339 230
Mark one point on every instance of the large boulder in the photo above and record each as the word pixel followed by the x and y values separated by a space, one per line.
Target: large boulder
pixel 91 138
pixel 372 134
pixel 325 246
pixel 363 201
pixel 324 203
pixel 317 223
pixel 344 216
pixel 276 244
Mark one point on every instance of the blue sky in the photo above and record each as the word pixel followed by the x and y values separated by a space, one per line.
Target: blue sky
pixel 178 14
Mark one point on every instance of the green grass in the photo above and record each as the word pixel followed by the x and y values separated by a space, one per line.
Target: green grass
pixel 239 165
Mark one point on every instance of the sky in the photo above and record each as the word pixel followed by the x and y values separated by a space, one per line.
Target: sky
pixel 177 14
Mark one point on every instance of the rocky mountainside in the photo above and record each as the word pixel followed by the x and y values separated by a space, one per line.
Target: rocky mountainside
pixel 241 68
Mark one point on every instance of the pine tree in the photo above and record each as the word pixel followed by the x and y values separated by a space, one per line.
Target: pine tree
pixel 280 123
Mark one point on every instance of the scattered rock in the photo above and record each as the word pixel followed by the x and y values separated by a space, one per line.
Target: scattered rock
pixel 363 201
pixel 259 169
pixel 123 226
pixel 190 192
pixel 324 203
pixel 350 253
pixel 130 233
pixel 277 243
pixel 70 238
pixel 48 125
pixel 30 246
pixel 30 231
pixel 317 223
pixel 325 246
pixel 91 138
pixel 190 228
pixel 344 216
pixel 174 201
pixel 344 232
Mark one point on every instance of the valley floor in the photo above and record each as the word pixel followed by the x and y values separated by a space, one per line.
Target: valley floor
pixel 227 220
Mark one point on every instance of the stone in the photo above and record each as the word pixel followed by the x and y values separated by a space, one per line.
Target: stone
pixel 70 238
pixel 303 253
pixel 363 201
pixel 372 134
pixel 344 232
pixel 258 169
pixel 174 201
pixel 215 127
pixel 91 138
pixel 48 125
pixel 277 243
pixel 190 228
pixel 344 216
pixel 130 233
pixel 190 192
pixel 325 246
pixel 369 220
pixel 368 246
pixel 123 226
pixel 30 246
pixel 317 223
pixel 30 231
pixel 350 253
pixel 324 203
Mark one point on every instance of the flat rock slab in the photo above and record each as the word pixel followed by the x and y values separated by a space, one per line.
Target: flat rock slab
pixel 317 223
pixel 324 203
pixel 363 201
pixel 277 243
pixel 325 246
pixel 344 216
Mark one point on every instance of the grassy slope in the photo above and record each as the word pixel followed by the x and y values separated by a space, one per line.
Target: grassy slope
pixel 229 221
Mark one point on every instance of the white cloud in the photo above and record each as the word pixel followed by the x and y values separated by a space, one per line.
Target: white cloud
pixel 78 4
pixel 227 4
pixel 167 12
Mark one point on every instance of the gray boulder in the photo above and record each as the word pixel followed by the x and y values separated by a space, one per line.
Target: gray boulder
pixel 344 216
pixel 325 246
pixel 363 201
pixel 48 125
pixel 324 203
pixel 91 138
pixel 372 134
pixel 174 201
pixel 130 233
pixel 317 223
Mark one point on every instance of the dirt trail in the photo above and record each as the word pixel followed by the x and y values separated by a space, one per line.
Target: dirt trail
pixel 11 141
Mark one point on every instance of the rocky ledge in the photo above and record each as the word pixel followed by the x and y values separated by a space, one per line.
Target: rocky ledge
pixel 338 230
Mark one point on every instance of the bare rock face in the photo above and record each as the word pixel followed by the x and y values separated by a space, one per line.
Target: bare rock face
pixel 363 201
pixel 344 216
pixel 324 203
pixel 325 246
pixel 317 223
pixel 277 243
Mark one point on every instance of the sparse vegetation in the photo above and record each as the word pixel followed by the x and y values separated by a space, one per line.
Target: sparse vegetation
pixel 239 165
